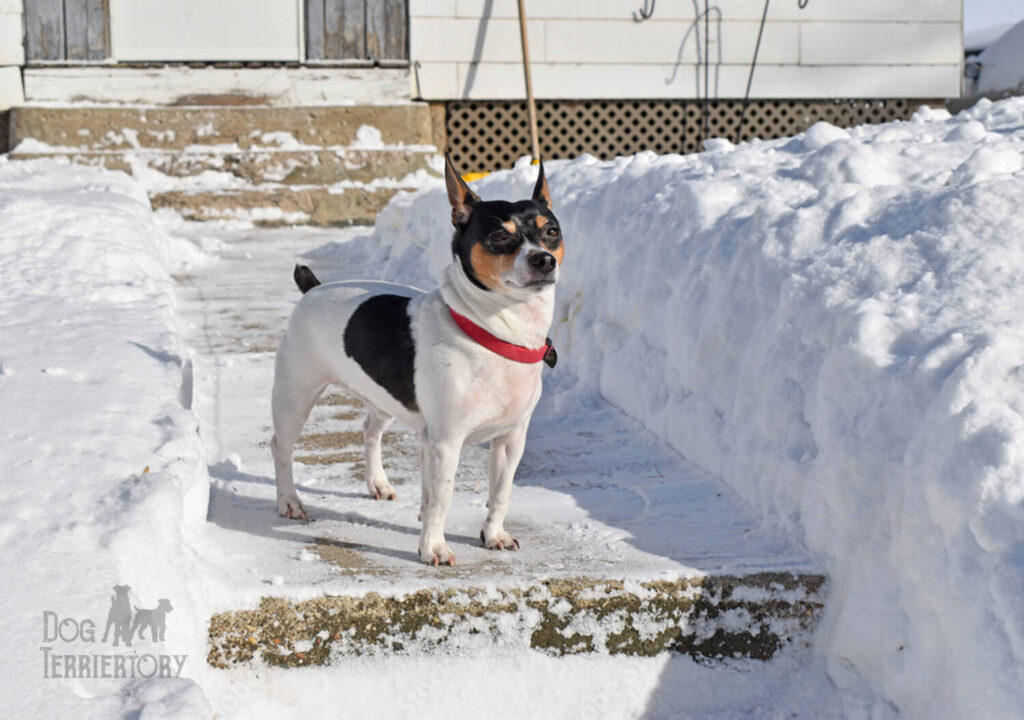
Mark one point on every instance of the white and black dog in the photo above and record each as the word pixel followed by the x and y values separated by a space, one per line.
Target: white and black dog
pixel 461 364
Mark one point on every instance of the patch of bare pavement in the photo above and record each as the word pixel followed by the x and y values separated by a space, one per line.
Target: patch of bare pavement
pixel 625 546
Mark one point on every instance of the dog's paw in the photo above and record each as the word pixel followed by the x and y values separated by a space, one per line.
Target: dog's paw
pixel 292 507
pixel 437 554
pixel 501 540
pixel 381 489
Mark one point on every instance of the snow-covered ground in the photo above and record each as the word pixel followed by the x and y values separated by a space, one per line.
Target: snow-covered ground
pixel 103 474
pixel 827 324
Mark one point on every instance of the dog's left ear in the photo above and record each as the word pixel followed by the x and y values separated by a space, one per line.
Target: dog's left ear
pixel 461 198
pixel 541 192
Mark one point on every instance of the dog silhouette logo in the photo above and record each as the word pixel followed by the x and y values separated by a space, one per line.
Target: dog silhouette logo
pixel 72 649
pixel 128 626
pixel 119 617
pixel 155 619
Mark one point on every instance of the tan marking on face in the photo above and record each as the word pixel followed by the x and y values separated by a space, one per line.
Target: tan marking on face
pixel 510 227
pixel 489 268
pixel 558 252
pixel 541 222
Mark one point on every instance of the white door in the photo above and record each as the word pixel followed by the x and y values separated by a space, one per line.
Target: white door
pixel 204 30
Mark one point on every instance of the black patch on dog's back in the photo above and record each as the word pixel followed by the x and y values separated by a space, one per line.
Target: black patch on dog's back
pixel 379 337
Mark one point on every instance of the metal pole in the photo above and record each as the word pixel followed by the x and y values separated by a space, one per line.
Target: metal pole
pixel 530 104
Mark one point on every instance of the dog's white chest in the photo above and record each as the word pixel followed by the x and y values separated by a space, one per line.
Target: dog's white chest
pixel 499 400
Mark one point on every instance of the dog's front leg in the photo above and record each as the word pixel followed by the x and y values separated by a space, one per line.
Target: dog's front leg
pixel 506 452
pixel 440 459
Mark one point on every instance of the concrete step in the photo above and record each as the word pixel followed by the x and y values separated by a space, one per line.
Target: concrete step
pixel 707 618
pixel 271 165
pixel 312 166
pixel 273 206
pixel 104 128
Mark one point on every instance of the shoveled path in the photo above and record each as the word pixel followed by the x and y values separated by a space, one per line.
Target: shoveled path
pixel 601 507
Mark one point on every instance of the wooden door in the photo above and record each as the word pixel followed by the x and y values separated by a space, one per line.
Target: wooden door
pixel 67 30
pixel 371 32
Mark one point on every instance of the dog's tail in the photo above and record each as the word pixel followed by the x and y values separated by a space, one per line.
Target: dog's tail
pixel 305 278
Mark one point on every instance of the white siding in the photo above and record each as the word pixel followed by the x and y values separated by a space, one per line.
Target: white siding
pixel 594 49
pixel 878 43
pixel 12 54
pixel 11 49
pixel 451 39
pixel 10 87
pixel 203 30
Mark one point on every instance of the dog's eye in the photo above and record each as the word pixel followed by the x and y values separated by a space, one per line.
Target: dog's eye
pixel 501 243
pixel 551 232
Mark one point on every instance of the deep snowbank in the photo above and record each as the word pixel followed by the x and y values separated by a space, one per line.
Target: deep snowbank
pixel 834 324
pixel 103 476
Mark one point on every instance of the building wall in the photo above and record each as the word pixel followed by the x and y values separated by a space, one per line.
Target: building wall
pixel 470 49
pixel 12 55
pixel 582 49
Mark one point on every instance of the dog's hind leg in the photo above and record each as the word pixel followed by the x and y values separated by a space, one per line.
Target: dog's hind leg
pixel 377 421
pixel 296 388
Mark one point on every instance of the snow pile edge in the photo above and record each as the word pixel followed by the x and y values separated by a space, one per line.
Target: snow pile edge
pixel 105 475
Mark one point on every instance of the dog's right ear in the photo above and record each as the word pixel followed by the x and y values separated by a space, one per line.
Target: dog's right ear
pixel 461 198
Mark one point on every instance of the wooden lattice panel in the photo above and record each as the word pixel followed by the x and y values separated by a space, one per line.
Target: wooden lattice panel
pixel 489 135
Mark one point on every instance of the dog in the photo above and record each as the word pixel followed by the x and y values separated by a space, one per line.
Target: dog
pixel 461 364
pixel 119 616
pixel 154 618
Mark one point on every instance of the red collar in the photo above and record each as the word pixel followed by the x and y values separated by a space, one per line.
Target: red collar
pixel 505 349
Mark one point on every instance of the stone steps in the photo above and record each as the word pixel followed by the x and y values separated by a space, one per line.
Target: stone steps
pixel 312 166
pixel 707 618
pixel 270 206
pixel 123 128
pixel 296 165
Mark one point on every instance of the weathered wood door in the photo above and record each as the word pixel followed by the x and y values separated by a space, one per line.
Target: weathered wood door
pixel 69 30
pixel 358 31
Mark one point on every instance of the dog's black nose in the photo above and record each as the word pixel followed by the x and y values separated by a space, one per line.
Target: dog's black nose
pixel 543 261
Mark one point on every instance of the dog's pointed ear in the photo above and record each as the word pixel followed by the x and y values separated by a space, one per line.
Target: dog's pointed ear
pixel 541 191
pixel 462 199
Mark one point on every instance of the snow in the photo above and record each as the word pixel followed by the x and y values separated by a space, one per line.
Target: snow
pixel 103 470
pixel 1002 63
pixel 832 324
pixel 977 40
pixel 995 29
pixel 829 324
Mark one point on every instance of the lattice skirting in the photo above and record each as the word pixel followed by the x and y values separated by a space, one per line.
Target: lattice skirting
pixel 489 135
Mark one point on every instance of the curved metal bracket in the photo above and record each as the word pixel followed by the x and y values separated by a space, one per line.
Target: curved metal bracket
pixel 645 12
